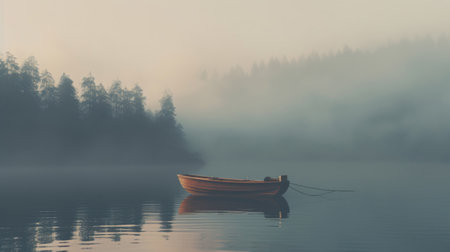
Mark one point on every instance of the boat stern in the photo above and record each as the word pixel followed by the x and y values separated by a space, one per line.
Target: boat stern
pixel 284 184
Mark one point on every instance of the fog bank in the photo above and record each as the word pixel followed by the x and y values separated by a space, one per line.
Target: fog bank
pixel 390 103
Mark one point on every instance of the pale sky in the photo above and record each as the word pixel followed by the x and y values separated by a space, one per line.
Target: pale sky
pixel 164 45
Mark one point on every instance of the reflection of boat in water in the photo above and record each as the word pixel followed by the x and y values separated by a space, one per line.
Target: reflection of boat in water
pixel 272 207
pixel 202 185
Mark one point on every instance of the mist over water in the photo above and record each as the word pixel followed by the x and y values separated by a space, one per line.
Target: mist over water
pixel 389 103
pixel 395 207
pixel 350 95
pixel 90 166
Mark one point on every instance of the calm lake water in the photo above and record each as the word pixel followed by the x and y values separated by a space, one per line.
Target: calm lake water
pixel 395 207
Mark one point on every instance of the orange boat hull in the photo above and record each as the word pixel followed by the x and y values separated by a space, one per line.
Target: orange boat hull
pixel 206 186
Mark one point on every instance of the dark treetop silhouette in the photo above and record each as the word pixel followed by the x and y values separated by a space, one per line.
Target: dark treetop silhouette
pixel 44 123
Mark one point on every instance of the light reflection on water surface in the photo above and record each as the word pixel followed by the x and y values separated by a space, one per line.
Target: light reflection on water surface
pixel 396 207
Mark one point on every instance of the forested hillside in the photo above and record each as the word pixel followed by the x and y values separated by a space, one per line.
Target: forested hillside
pixel 391 102
pixel 43 121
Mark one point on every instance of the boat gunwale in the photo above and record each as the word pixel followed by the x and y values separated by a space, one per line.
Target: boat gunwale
pixel 227 180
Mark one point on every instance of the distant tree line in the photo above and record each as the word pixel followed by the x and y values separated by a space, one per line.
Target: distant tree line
pixel 388 103
pixel 44 121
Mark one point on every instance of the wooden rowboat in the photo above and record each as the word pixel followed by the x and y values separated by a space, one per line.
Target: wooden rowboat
pixel 206 186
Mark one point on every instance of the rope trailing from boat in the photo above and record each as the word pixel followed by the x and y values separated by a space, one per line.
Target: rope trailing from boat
pixel 321 189
pixel 310 194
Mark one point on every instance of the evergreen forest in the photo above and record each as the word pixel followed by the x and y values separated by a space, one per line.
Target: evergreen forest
pixel 46 121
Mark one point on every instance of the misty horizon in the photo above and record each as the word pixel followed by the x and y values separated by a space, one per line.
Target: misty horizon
pixel 388 103
pixel 310 99
pixel 168 125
